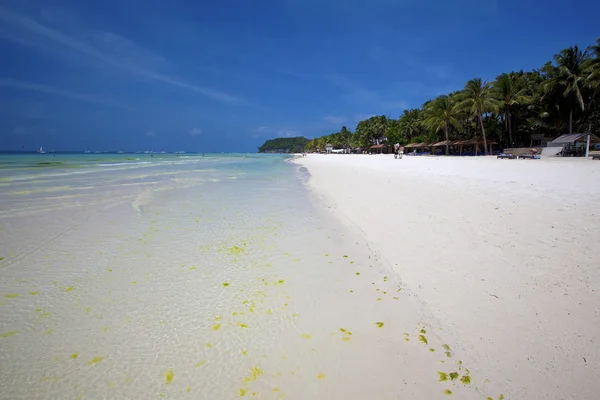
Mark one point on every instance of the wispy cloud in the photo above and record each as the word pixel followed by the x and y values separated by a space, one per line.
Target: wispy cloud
pixel 334 119
pixel 150 134
pixel 195 132
pixel 362 116
pixel 262 129
pixel 89 98
pixel 396 104
pixel 288 133
pixel 126 54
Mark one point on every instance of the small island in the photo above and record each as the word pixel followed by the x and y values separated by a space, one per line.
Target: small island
pixel 284 145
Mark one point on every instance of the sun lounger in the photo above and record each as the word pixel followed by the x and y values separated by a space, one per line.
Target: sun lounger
pixel 509 156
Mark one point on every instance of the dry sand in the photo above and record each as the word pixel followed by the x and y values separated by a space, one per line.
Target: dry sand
pixel 501 254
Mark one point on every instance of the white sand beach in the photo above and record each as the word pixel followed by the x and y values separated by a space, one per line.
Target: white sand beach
pixel 502 255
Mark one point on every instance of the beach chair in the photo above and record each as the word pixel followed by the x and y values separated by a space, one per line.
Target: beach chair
pixel 504 155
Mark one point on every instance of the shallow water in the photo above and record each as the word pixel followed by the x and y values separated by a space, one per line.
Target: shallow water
pixel 207 278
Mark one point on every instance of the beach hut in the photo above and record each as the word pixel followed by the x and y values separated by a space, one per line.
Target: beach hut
pixel 328 148
pixel 380 149
pixel 575 144
pixel 476 143
pixel 443 143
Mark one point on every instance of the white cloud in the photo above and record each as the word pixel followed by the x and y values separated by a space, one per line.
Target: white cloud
pixel 397 104
pixel 334 119
pixel 288 133
pixel 195 132
pixel 21 130
pixel 362 116
pixel 262 129
pixel 150 134
pixel 12 83
pixel 116 57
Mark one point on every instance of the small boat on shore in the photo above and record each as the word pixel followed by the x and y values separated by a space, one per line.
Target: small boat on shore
pixel 42 150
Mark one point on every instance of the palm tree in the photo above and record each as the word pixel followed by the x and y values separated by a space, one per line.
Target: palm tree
pixel 477 98
pixel 441 114
pixel 570 78
pixel 410 123
pixel 592 67
pixel 509 90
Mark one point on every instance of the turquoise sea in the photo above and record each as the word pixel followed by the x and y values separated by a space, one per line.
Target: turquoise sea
pixel 216 277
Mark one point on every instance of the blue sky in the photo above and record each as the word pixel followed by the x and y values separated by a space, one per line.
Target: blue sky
pixel 227 75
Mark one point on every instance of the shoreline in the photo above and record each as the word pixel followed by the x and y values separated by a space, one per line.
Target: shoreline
pixel 498 252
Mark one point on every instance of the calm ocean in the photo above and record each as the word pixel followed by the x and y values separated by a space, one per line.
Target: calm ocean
pixel 217 277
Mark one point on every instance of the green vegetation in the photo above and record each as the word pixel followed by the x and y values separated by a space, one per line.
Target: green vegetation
pixel 284 145
pixel 563 96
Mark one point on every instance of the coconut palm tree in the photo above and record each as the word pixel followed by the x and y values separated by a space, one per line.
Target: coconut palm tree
pixel 440 114
pixel 509 91
pixel 592 68
pixel 477 98
pixel 570 78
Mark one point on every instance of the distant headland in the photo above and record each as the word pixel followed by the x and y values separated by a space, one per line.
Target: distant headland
pixel 284 145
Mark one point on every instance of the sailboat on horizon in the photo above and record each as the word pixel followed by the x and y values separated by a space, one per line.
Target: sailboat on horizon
pixel 42 150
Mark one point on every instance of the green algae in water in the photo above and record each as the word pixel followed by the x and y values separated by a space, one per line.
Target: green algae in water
pixel 385 278
pixel 423 331
pixel 243 392
pixel 8 334
pixel 445 346
pixel 242 325
pixel 12 295
pixel 201 363
pixel 432 350
pixel 423 339
pixel 96 360
pixel 188 388
pixel 255 372
pixel 379 324
pixel 466 379
pixel 358 273
pixel 448 354
pixel 306 336
pixel 216 327
pixel 321 375
pixel 280 281
pixel 68 289
pixel 169 376
pixel 501 397
pixel 448 392
pixel 235 250
pixel 73 356
pixel 34 293
pixel 453 376
pixel 225 284
pixel 443 376
pixel 49 331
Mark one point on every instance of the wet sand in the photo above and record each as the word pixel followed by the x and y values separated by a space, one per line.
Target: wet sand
pixel 501 255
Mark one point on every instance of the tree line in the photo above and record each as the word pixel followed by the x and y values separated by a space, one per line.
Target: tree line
pixel 563 96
